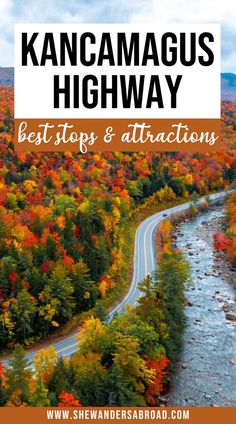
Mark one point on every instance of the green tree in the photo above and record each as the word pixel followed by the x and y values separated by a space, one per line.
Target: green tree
pixel 36 279
pixel 177 185
pixel 130 324
pixel 48 310
pixel 40 395
pixel 7 326
pixel 94 337
pixel 51 248
pixel 23 311
pixel 121 391
pixel 63 203
pixel 129 373
pixel 11 201
pixel 172 274
pixel 90 380
pixel 85 290
pixel 8 266
pixel 24 261
pixel 100 311
pixel 45 361
pixel 61 289
pixel 96 255
pixel 59 381
pixel 150 308
pixel 19 374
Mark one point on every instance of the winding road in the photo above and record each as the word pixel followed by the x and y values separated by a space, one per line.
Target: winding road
pixel 144 262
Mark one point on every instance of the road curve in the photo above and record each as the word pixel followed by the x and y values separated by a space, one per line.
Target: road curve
pixel 144 262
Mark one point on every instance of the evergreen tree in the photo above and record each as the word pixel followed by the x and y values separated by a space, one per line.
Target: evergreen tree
pixel 100 311
pixel 130 324
pixel 61 288
pixel 129 374
pixel 19 374
pixel 8 266
pixel 36 279
pixel 150 307
pixel 40 395
pixel 23 311
pixel 85 291
pixel 59 381
pixel 170 277
pixel 90 380
pixel 121 391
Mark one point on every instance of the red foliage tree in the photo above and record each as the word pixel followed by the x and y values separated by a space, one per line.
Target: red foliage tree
pixel 2 370
pixel 221 241
pixel 156 387
pixel 68 400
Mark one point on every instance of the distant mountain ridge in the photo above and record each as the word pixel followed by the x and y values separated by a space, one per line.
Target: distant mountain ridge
pixel 6 76
pixel 228 82
pixel 228 86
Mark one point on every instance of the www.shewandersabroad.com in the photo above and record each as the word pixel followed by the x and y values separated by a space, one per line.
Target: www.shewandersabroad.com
pixel 118 414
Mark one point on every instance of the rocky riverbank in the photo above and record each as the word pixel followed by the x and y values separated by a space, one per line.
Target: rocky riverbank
pixel 206 373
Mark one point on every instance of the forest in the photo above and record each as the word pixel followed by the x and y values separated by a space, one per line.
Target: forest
pixel 226 240
pixel 63 229
pixel 124 363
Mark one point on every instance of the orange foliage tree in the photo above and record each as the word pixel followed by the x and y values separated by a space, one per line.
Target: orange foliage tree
pixel 68 400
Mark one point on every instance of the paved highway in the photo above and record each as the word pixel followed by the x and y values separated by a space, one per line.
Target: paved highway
pixel 144 262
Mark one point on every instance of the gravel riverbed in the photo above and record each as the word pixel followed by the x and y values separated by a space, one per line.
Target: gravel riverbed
pixel 206 373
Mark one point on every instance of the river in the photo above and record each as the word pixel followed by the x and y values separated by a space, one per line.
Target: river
pixel 206 373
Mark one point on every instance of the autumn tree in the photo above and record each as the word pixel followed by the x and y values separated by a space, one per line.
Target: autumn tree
pixel 18 375
pixel 90 379
pixel 67 400
pixel 45 361
pixel 93 336
pixel 49 309
pixel 40 394
pixel 59 381
pixel 170 277
pixel 130 323
pixel 154 389
pixel 129 373
pixel 150 307
pixel 3 391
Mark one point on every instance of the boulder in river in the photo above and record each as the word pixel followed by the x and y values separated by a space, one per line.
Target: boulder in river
pixel 184 365
pixel 226 307
pixel 162 401
pixel 207 397
pixel 230 317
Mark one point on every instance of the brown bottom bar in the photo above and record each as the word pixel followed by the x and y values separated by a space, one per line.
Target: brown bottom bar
pixel 193 415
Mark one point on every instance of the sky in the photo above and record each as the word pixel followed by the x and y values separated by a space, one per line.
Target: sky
pixel 119 11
